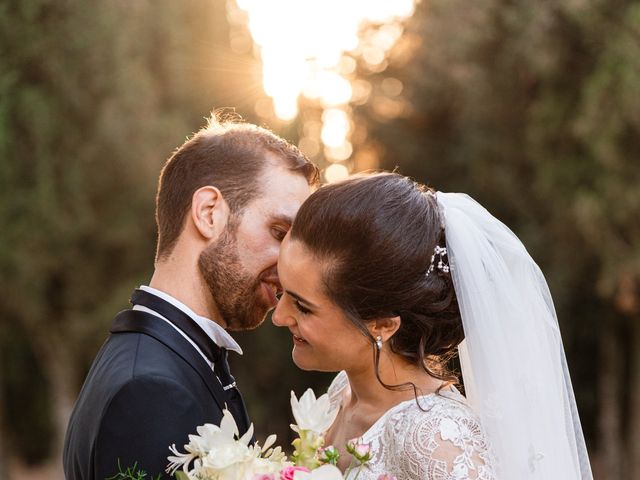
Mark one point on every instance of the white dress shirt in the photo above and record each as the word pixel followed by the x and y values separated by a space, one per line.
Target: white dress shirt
pixel 218 334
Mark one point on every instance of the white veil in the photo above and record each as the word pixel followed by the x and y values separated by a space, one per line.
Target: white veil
pixel 513 363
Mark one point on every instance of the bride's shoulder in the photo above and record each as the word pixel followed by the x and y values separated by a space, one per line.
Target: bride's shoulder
pixel 449 402
pixel 445 415
pixel 442 433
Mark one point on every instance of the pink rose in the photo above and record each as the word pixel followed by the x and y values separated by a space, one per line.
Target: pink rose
pixel 362 449
pixel 386 476
pixel 351 444
pixel 287 472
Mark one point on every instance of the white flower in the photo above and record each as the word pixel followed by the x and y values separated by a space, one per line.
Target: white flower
pixel 223 456
pixel 216 453
pixel 311 414
pixel 325 472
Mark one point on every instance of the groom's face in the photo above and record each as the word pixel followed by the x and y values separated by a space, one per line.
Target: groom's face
pixel 239 268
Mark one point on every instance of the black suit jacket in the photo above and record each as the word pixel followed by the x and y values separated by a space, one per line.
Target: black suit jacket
pixel 148 388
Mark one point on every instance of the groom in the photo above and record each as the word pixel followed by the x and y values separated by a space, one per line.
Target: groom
pixel 225 201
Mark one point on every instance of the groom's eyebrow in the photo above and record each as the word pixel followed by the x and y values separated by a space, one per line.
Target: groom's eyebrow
pixel 283 218
pixel 300 299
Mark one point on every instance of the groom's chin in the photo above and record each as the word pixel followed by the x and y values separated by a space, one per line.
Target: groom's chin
pixel 249 323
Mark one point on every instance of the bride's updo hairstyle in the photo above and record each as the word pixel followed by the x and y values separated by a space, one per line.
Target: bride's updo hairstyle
pixel 375 235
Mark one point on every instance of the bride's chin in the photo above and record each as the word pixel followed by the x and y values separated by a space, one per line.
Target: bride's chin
pixel 299 362
pixel 303 362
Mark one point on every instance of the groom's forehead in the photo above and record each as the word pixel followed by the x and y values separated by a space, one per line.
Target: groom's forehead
pixel 281 197
pixel 265 210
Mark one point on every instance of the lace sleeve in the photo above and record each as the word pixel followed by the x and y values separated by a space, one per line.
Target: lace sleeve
pixel 447 446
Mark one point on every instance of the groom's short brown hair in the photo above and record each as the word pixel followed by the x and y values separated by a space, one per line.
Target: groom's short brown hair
pixel 228 154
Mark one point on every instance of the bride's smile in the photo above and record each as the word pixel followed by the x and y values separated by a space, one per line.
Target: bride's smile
pixel 323 337
pixel 369 271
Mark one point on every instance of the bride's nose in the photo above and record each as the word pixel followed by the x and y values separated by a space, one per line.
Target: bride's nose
pixel 281 316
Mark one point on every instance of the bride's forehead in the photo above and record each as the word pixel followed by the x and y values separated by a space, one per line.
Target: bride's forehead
pixel 297 263
pixel 295 257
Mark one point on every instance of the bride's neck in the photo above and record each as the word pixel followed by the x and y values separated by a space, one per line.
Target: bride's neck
pixel 366 389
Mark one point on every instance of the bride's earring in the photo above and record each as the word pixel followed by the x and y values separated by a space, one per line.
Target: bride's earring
pixel 379 342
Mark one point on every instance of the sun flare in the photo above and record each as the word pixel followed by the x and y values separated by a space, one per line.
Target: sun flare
pixel 309 49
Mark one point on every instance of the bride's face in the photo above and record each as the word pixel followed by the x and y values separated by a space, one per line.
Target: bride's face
pixel 323 337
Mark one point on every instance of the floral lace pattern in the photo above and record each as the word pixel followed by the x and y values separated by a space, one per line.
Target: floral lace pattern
pixel 443 441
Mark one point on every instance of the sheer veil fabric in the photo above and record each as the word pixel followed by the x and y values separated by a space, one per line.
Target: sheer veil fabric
pixel 513 363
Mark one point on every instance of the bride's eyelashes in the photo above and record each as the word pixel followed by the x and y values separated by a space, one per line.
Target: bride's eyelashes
pixel 303 310
pixel 296 302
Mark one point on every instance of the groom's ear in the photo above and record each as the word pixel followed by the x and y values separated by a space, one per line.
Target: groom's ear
pixel 384 327
pixel 209 212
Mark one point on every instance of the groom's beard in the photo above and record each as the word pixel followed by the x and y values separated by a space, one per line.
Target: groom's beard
pixel 235 291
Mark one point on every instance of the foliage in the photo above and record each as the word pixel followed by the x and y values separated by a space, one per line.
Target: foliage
pixel 532 108
pixel 132 473
pixel 93 98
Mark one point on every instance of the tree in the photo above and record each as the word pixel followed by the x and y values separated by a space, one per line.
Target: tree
pixel 532 109
pixel 93 98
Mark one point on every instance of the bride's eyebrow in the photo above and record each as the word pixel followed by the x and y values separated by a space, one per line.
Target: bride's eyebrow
pixel 300 299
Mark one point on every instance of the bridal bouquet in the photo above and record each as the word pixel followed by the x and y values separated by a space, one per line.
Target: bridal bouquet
pixel 219 453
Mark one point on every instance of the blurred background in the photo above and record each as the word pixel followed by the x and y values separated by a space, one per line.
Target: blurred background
pixel 531 107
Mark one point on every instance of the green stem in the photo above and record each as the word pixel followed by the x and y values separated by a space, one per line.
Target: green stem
pixel 359 470
pixel 348 469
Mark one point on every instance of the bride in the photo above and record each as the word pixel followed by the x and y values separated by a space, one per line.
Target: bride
pixel 385 281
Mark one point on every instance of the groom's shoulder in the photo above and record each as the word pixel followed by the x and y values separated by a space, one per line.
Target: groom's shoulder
pixel 132 354
pixel 132 360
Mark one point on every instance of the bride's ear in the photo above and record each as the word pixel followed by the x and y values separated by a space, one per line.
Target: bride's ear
pixel 209 212
pixel 384 327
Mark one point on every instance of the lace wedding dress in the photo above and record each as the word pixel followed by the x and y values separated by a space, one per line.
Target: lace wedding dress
pixel 441 441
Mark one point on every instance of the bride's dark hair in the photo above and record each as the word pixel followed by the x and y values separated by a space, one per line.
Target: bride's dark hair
pixel 375 235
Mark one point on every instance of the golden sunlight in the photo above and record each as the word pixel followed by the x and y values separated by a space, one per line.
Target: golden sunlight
pixel 308 49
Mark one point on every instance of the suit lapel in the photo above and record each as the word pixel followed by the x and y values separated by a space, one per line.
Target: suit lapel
pixel 134 321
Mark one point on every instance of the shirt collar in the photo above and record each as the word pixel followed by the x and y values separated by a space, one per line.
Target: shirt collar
pixel 218 334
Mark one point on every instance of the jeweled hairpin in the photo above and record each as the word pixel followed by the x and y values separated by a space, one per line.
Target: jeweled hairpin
pixel 439 254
